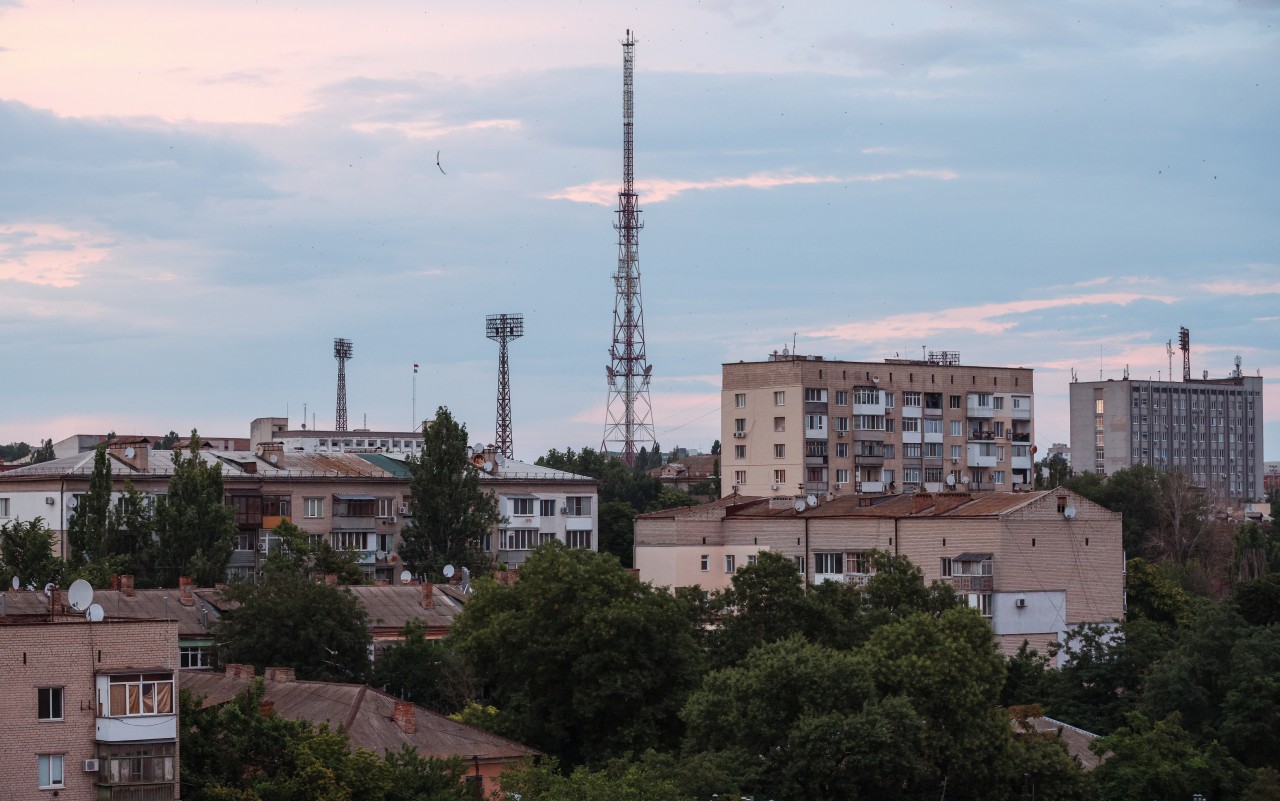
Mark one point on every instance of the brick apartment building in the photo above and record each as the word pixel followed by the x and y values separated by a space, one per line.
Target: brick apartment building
pixel 800 425
pixel 90 710
pixel 1035 564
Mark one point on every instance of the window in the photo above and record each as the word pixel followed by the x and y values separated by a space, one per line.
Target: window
pixel 526 539
pixel 982 400
pixel 522 507
pixel 957 428
pixel 890 451
pixel 729 563
pixel 779 451
pixel 246 541
pixel 740 425
pixel 998 428
pixel 842 398
pixel 997 402
pixel 866 395
pixel 50 770
pixel 799 560
pixel 980 601
pixel 933 450
pixel 779 476
pixel 49 703
pixel 578 506
pixel 4 507
pixel 868 422
pixel 955 451
pixel 953 401
pixel 779 399
pixel 740 476
pixel 779 424
pixel 888 399
pixel 136 763
pixel 887 476
pixel 740 400
pixel 815 422
pixel 706 563
pixel 385 507
pixel 911 399
pixel 193 656
pixel 752 559
pixel 997 476
pixel 911 424
pixel 842 450
pixel 815 396
pixel 842 475
pixel 841 423
pixel 888 424
pixel 932 425
pixel 277 505
pixel 944 569
pixel 828 563
pixel 141 694
pixel 314 507
pixel 857 562
pixel 1021 402
pixel 578 539
pixel 349 540
pixel 911 450
pixel 547 507
pixel 911 475
pixel 739 451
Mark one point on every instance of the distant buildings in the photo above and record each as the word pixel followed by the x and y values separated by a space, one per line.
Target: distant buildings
pixel 798 425
pixel 1210 429
pixel 1035 564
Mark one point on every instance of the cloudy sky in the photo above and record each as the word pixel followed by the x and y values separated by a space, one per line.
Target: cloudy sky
pixel 195 199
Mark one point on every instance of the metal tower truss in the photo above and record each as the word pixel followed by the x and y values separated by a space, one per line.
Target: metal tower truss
pixel 341 352
pixel 502 328
pixel 628 414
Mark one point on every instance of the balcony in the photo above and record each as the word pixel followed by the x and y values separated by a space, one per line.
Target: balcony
pixel 874 409
pixel 135 792
pixel 1020 414
pixel 978 458
pixel 982 436
pixel 126 729
pixel 972 583
pixel 870 486
pixel 814 461
pixel 912 411
pixel 815 486
pixel 980 412
pixel 353 523
pixel 1018 436
pixel 867 460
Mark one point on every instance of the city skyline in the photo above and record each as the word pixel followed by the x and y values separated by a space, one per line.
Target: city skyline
pixel 195 202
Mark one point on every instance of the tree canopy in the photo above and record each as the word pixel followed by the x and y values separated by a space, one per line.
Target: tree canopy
pixel 195 529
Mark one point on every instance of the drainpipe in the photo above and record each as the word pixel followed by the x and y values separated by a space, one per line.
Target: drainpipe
pixel 806 552
pixel 896 536
pixel 62 516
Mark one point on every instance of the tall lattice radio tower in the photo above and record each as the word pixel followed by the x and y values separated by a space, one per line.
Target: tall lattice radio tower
pixel 341 352
pixel 502 328
pixel 629 414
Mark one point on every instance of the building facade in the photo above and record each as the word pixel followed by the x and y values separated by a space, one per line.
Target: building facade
pixel 91 709
pixel 799 425
pixel 1209 429
pixel 1035 564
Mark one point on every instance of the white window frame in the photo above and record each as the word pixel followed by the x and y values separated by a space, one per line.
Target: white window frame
pixel 779 451
pixel 350 541
pixel 779 476
pixel 522 507
pixel 705 562
pixel 739 451
pixel 54 692
pixel 4 507
pixel 842 475
pixel 50 773
pixel 578 505
pixel 730 563
pixel 313 507
pixel 740 400
pixel 578 538
pixel 780 398
pixel 141 682
pixel 193 657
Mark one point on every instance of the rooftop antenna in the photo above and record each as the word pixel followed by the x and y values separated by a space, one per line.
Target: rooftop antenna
pixel 341 352
pixel 1237 373
pixel 502 328
pixel 1168 348
pixel 628 411
pixel 1184 345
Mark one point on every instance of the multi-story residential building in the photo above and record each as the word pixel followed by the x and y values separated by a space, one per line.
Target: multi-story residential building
pixel 90 709
pixel 355 501
pixel 361 440
pixel 1034 563
pixel 1209 429
pixel 798 425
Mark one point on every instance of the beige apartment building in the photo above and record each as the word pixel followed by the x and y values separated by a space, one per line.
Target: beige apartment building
pixel 90 710
pixel 800 425
pixel 1035 564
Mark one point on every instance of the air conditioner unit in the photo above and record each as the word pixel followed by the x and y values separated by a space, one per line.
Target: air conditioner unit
pixel 564 510
pixel 91 766
pixel 1021 603
pixel 263 545
pixel 840 434
pixel 391 519
pixel 404 510
pixel 775 486
pixel 739 434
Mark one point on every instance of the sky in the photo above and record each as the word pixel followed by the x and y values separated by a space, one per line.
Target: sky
pixel 196 199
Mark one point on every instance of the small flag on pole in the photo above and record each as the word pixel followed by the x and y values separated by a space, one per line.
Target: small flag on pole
pixel 415 368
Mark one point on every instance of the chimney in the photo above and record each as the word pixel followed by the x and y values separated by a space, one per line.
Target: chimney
pixel 406 717
pixel 267 708
pixel 428 598
pixel 233 671
pixel 331 579
pixel 920 501
pixel 283 675
pixel 184 591
pixel 951 500
pixel 126 585
pixel 133 451
pixel 57 600
pixel 115 583
pixel 270 452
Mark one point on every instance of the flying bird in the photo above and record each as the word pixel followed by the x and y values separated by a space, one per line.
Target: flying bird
pixel 442 172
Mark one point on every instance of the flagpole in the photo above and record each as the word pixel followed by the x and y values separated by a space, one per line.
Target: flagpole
pixel 414 422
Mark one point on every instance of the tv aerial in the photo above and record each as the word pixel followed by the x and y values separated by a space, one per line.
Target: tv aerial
pixel 80 595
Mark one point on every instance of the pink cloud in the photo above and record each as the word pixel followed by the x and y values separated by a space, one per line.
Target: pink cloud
pixel 47 255
pixel 987 318
pixel 604 193
pixel 427 129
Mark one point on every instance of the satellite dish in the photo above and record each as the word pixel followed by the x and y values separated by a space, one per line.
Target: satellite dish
pixel 257 451
pixel 94 614
pixel 405 577
pixel 448 571
pixel 1069 513
pixel 275 458
pixel 80 595
pixel 129 452
pixel 16 583
pixel 380 555
pixel 48 589
pixel 72 502
pixel 488 467
pixel 812 500
pixel 951 481
pixel 478 447
pixel 800 505
pixel 964 479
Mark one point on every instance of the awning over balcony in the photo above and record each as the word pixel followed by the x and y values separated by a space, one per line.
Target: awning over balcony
pixel 353 497
pixel 972 557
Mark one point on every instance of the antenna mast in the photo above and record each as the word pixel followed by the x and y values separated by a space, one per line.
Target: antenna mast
pixel 502 328
pixel 629 414
pixel 1184 345
pixel 341 352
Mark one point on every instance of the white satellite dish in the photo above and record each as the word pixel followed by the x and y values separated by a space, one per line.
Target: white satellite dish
pixel 405 577
pixel 448 571
pixel 800 505
pixel 488 467
pixel 812 500
pixel 1069 513
pixel 80 595
pixel 129 452
pixel 380 555
pixel 48 589
pixel 94 613
pixel 16 583
pixel 478 447
pixel 964 479
pixel 257 451
pixel 72 502
pixel 951 481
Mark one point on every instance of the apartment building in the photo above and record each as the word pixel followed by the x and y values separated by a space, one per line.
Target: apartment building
pixel 1210 428
pixel 90 709
pixel 1035 564
pixel 304 440
pixel 800 425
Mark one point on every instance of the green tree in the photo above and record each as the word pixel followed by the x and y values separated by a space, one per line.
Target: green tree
pixel 195 529
pixel 1258 601
pixel 1058 471
pixel 44 453
pixel 715 448
pixel 426 672
pixel 670 498
pixel 1026 678
pixel 26 551
pixel 1154 594
pixel 14 451
pixel 288 620
pixel 1161 761
pixel 617 530
pixel 167 442
pixel 582 659
pixel 451 512
pixel 618 781
pixel 88 529
pixel 316 560
pixel 1103 672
